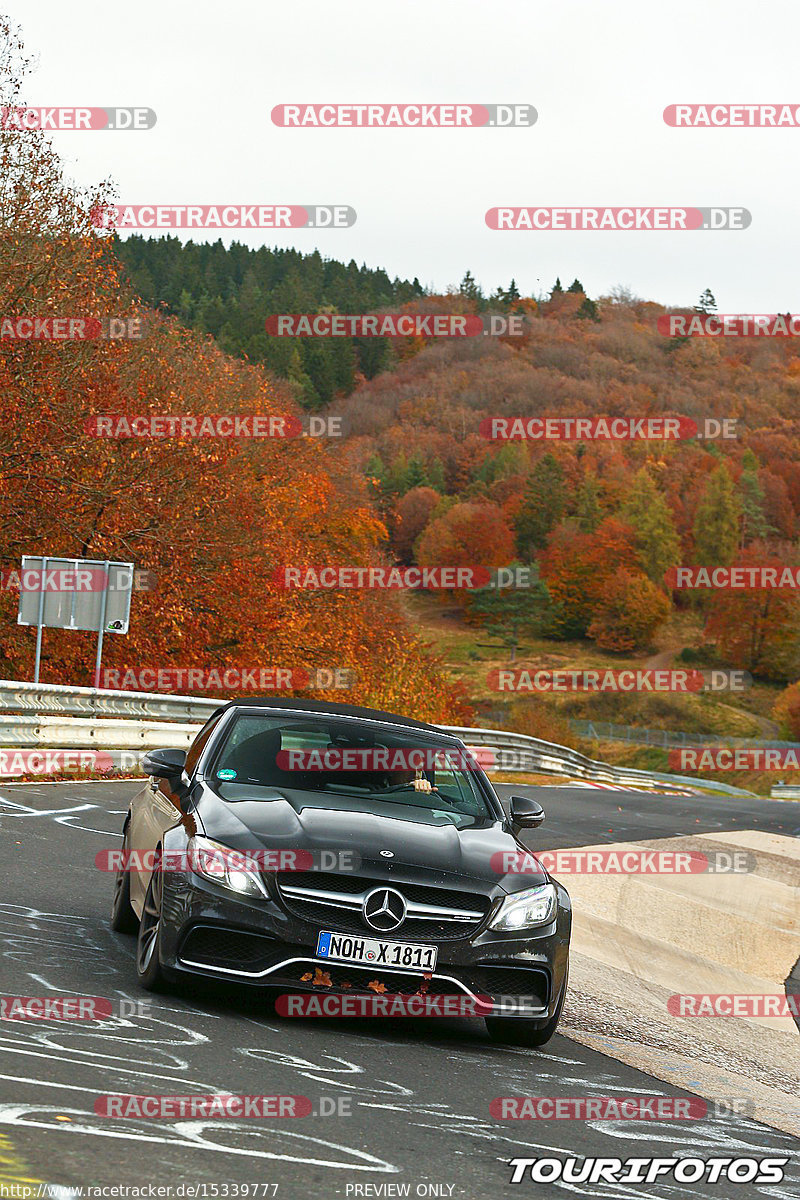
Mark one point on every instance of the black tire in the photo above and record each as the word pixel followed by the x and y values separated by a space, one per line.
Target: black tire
pixel 123 918
pixel 148 964
pixel 521 1031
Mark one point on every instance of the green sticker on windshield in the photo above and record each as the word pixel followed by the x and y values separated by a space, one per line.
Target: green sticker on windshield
pixel 226 774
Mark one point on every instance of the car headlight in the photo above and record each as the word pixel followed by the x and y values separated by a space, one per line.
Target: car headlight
pixel 534 906
pixel 225 866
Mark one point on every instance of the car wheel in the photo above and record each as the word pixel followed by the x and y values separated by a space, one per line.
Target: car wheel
pixel 148 966
pixel 123 918
pixel 521 1031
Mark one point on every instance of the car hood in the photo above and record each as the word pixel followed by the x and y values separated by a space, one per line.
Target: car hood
pixel 425 846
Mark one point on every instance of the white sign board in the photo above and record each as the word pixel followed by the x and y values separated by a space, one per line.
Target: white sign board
pixel 75 593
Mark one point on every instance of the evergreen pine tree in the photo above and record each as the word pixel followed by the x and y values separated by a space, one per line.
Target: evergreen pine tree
pixel 588 310
pixel 508 613
pixel 588 514
pixel 469 288
pixel 657 541
pixel 716 522
pixel 436 478
pixel 755 526
pixel 397 476
pixel 416 475
pixel 301 383
pixel 706 303
pixel 542 506
pixel 375 468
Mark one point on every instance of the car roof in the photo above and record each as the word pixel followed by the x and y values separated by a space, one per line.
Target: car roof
pixel 331 708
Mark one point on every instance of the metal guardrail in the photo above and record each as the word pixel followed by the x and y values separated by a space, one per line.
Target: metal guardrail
pixel 525 753
pixel 45 698
pixel 24 730
pixel 52 716
pixel 785 791
pixel 607 731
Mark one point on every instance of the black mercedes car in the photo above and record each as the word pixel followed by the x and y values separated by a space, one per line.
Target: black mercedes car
pixel 301 846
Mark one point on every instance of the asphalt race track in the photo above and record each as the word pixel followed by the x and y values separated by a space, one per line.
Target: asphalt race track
pixel 410 1102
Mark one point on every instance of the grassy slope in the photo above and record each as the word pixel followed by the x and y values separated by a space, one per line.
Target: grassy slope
pixel 471 654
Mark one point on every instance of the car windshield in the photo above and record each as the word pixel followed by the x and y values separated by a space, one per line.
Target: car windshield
pixel 341 756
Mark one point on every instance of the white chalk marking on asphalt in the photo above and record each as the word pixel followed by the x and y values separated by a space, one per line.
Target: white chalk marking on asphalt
pixel 309 1069
pixel 51 987
pixel 10 1114
pixel 62 816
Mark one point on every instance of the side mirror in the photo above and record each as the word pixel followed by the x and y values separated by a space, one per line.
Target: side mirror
pixel 525 813
pixel 164 764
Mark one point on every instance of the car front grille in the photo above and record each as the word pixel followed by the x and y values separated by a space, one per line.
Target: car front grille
pixel 335 902
pixel 295 967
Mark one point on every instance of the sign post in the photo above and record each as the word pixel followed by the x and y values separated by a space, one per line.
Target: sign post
pixel 75 593
pixel 102 626
pixel 39 619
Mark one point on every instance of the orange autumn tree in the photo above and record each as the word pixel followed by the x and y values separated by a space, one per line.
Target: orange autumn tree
pixel 212 518
pixel 467 535
pixel 786 712
pixel 578 568
pixel 629 613
pixel 413 512
pixel 758 629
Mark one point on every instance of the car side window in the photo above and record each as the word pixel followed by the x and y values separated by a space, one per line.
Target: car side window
pixel 199 744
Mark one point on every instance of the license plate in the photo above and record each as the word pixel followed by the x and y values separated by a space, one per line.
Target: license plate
pixel 375 952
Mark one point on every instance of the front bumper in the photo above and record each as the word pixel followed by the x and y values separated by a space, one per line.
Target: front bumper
pixel 208 931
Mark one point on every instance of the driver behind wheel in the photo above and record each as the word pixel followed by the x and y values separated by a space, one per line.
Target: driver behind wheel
pixel 416 778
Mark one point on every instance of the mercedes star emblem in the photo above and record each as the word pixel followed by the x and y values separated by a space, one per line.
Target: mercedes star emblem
pixel 384 909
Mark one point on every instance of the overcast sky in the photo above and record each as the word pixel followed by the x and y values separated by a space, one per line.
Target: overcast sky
pixel 599 75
